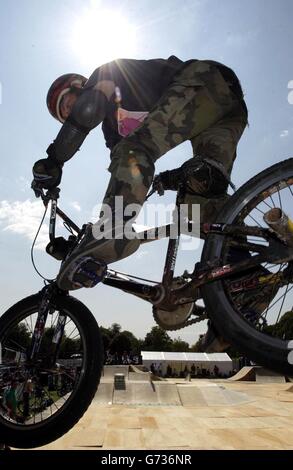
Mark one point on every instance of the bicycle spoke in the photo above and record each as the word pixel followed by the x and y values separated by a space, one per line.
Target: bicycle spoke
pixel 43 401
pixel 284 296
pixel 267 309
pixel 276 295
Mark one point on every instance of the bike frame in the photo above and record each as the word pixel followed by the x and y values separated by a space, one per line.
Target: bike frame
pixel 156 293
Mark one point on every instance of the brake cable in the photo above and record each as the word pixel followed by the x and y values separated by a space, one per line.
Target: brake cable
pixel 33 246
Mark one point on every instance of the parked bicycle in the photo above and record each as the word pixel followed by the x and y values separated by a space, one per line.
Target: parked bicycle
pixel 244 280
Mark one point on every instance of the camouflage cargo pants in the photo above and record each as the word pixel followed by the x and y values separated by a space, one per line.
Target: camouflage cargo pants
pixel 198 106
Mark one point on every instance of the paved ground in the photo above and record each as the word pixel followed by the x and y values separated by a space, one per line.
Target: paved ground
pixel 204 414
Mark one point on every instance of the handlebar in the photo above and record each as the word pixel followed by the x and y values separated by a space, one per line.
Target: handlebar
pixel 46 196
pixel 52 195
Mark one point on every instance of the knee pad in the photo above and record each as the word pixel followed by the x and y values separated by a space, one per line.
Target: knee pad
pixel 201 177
pixel 197 177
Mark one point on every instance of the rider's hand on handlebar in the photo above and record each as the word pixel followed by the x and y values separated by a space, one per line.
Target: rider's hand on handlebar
pixel 38 191
pixel 167 180
pixel 47 175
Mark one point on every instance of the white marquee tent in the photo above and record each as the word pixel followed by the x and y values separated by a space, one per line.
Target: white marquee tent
pixel 180 361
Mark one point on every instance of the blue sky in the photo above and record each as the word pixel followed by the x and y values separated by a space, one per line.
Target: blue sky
pixel 42 40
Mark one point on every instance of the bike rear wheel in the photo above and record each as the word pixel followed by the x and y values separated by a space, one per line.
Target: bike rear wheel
pixel 32 412
pixel 252 330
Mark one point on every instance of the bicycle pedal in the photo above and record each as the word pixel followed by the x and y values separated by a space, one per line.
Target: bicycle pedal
pixel 88 272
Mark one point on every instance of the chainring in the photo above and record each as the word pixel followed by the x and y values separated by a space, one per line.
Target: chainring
pixel 179 317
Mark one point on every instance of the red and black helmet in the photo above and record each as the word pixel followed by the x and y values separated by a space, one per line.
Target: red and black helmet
pixel 61 86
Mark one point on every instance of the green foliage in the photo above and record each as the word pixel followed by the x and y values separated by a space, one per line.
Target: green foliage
pixel 106 338
pixel 134 342
pixel 120 344
pixel 180 346
pixel 157 340
pixel 19 337
pixel 117 341
pixel 114 329
pixel 284 328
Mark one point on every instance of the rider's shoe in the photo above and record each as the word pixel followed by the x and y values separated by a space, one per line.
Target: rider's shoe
pixel 87 263
pixel 212 342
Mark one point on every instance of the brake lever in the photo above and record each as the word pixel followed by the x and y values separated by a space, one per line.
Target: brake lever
pixel 51 194
pixel 157 187
pixel 38 191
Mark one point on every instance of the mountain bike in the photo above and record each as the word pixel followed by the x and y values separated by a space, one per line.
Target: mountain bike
pixel 243 283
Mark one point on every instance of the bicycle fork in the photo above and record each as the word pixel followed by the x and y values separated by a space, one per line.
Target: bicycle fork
pixel 39 329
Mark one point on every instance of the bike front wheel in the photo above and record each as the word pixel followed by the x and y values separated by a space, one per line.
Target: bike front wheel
pixel 253 310
pixel 32 412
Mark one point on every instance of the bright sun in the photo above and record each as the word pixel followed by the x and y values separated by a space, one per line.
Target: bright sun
pixel 100 36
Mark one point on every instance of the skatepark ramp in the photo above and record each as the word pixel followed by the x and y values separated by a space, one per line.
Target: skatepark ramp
pixel 138 374
pixel 168 394
pixel 246 373
pixel 130 372
pixel 110 371
pixel 147 393
pixel 258 374
pixel 141 373
pixel 210 394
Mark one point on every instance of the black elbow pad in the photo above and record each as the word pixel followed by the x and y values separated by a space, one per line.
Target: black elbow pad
pixel 89 110
pixel 67 142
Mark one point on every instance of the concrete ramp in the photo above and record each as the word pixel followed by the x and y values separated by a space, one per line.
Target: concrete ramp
pixel 139 376
pixel 104 394
pixel 137 373
pixel 191 396
pixel 210 395
pixel 147 393
pixel 246 373
pixel 267 376
pixel 138 369
pixel 136 393
pixel 167 393
pixel 258 374
pixel 109 371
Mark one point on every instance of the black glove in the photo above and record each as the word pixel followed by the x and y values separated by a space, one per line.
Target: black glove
pixel 196 175
pixel 47 174
pixel 167 180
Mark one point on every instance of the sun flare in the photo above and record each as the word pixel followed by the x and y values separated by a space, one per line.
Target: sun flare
pixel 100 36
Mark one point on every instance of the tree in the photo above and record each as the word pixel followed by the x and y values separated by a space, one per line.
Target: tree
pixel 135 344
pixel 69 346
pixel 46 344
pixel 179 345
pixel 106 339
pixel 120 343
pixel 114 329
pixel 283 329
pixel 157 340
pixel 19 337
pixel 196 346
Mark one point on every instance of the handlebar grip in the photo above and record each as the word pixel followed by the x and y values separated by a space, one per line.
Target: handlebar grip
pixel 38 191
pixel 52 193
